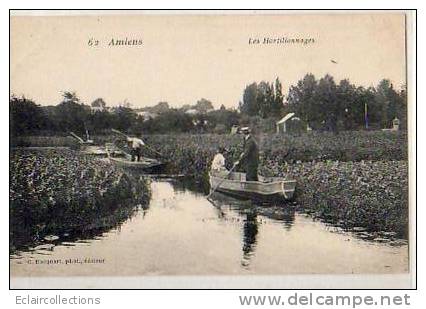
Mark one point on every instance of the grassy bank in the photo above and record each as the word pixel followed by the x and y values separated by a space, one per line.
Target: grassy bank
pixel 67 195
pixel 346 146
pixel 369 194
pixel 354 179
pixel 42 141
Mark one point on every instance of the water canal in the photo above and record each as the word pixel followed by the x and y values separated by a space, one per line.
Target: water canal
pixel 183 233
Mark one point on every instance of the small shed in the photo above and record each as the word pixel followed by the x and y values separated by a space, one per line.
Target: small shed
pixel 281 124
pixel 145 115
pixel 395 124
pixel 192 111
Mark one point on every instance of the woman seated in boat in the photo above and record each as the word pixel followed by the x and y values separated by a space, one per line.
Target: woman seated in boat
pixel 218 163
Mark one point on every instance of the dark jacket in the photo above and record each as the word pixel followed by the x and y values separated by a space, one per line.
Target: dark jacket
pixel 250 158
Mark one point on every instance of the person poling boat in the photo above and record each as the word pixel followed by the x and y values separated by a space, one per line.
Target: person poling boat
pixel 136 145
pixel 248 184
pixel 136 148
pixel 249 159
pixel 248 162
pixel 88 140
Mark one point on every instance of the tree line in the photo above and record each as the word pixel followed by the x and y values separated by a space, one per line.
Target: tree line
pixel 326 105
pixel 72 115
pixel 320 104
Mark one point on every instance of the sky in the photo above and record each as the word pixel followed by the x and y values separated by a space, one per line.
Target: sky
pixel 183 58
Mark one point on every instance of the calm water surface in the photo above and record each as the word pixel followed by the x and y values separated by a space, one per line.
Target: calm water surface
pixel 183 233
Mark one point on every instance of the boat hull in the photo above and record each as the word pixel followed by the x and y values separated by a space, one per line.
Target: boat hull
pixel 144 163
pixel 100 151
pixel 264 189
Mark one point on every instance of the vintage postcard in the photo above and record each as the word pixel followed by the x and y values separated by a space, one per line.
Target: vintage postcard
pixel 211 149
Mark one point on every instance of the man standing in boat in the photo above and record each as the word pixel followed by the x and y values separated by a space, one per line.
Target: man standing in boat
pixel 136 146
pixel 249 159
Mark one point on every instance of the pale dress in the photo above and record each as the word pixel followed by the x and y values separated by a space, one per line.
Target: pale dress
pixel 218 163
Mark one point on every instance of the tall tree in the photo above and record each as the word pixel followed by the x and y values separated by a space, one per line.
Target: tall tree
pixel 264 99
pixel 402 106
pixel 327 104
pixel 250 105
pixel 301 99
pixel 26 117
pixel 71 114
pixel 99 102
pixel 389 100
pixel 203 105
pixel 70 96
pixel 346 108
pixel 277 105
pixel 124 118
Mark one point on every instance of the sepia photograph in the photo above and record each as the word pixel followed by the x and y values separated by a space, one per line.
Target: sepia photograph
pixel 146 147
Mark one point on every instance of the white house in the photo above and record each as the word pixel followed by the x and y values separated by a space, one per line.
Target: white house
pixel 98 105
pixel 192 111
pixel 97 109
pixel 281 124
pixel 146 115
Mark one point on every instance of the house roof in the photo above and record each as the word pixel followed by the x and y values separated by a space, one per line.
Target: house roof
pixel 285 118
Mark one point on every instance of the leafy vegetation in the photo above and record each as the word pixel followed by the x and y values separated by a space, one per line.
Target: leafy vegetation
pixel 369 194
pixel 198 150
pixel 323 105
pixel 356 179
pixel 62 193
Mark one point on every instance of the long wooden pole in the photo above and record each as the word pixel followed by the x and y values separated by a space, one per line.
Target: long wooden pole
pixel 153 150
pixel 77 137
pixel 220 182
pixel 366 115
pixel 119 132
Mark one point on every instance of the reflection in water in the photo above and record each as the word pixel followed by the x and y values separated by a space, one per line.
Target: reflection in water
pixel 183 233
pixel 220 213
pixel 198 185
pixel 284 215
pixel 250 212
pixel 250 230
pixel 78 234
pixel 107 217
pixel 288 218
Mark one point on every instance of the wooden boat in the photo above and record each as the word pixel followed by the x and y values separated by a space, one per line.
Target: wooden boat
pixel 101 151
pixel 267 188
pixel 144 163
pixel 93 150
pixel 126 162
